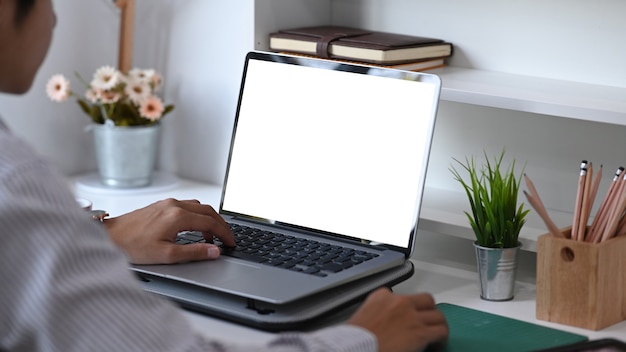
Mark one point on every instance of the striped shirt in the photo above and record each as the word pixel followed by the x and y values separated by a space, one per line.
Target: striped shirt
pixel 66 287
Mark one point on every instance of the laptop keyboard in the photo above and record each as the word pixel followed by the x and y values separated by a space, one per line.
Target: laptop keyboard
pixel 285 251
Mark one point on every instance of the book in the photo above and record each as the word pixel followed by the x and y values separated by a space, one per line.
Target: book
pixel 420 65
pixel 336 42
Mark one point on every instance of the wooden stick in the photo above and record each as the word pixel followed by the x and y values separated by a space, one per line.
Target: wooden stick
pixel 127 24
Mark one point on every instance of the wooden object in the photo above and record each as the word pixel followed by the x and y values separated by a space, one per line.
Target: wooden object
pixel 581 284
pixel 127 24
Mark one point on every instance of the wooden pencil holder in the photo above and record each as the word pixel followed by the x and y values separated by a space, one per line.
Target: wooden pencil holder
pixel 581 284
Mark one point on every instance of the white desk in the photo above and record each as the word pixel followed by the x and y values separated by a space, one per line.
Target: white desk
pixel 444 266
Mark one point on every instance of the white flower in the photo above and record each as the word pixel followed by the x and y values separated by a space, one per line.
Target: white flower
pixel 141 75
pixel 113 97
pixel 93 95
pixel 137 90
pixel 58 88
pixel 105 78
pixel 157 81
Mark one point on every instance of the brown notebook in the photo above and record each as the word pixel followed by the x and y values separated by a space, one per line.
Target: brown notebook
pixel 337 42
pixel 417 65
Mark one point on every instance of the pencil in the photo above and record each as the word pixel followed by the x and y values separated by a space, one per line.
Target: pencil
pixel 594 188
pixel 543 214
pixel 615 210
pixel 621 227
pixel 537 204
pixel 585 207
pixel 531 186
pixel 579 199
pixel 592 199
pixel 599 221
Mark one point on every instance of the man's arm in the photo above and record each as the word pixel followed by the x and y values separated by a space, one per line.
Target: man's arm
pixel 67 287
pixel 148 235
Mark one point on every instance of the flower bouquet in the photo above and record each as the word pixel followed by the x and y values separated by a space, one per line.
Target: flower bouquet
pixel 126 114
pixel 115 98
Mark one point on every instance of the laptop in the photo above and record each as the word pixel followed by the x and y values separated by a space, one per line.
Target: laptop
pixel 326 158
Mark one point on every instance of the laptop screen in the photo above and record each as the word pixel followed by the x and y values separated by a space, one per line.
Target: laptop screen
pixel 331 147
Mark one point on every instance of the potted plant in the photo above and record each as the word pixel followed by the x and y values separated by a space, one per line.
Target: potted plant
pixel 496 220
pixel 126 115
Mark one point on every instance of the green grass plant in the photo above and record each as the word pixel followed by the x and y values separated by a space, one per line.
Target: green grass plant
pixel 495 217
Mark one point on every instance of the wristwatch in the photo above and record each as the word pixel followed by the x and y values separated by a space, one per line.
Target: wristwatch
pixel 99 215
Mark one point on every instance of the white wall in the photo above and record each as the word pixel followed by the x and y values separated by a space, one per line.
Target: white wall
pixel 207 44
pixel 85 37
pixel 578 40
pixel 573 40
pixel 199 46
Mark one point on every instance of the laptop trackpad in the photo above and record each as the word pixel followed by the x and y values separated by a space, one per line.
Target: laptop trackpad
pixel 237 277
pixel 205 273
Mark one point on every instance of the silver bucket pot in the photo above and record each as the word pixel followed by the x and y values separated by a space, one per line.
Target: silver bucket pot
pixel 126 156
pixel 497 269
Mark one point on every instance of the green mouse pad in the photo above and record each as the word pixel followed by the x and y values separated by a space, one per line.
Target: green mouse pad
pixel 473 330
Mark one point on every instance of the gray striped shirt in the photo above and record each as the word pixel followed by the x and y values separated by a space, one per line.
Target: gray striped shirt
pixel 66 287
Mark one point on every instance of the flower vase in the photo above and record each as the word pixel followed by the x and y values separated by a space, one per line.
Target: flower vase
pixel 497 269
pixel 126 156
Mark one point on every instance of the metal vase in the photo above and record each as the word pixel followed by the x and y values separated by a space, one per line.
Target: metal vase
pixel 126 156
pixel 497 269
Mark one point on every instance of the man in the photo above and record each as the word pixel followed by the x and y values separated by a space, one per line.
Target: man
pixel 66 286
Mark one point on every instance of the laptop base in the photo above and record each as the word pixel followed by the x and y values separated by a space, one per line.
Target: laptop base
pixel 303 314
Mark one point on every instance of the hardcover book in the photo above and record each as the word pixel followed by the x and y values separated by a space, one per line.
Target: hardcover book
pixel 417 66
pixel 335 42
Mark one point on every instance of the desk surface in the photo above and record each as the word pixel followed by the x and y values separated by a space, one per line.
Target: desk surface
pixel 450 277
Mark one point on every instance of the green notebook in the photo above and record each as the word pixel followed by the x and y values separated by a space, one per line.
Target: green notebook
pixel 473 330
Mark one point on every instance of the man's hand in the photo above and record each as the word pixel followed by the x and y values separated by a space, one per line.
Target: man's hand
pixel 402 322
pixel 148 235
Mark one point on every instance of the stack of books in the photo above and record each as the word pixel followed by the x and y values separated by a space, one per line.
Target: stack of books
pixel 355 45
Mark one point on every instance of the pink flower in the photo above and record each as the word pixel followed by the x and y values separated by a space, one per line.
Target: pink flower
pixel 58 88
pixel 113 96
pixel 151 108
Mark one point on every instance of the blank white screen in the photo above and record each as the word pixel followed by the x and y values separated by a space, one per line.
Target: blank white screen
pixel 330 150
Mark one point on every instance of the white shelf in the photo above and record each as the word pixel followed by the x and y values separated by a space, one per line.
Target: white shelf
pixel 570 99
pixel 443 212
